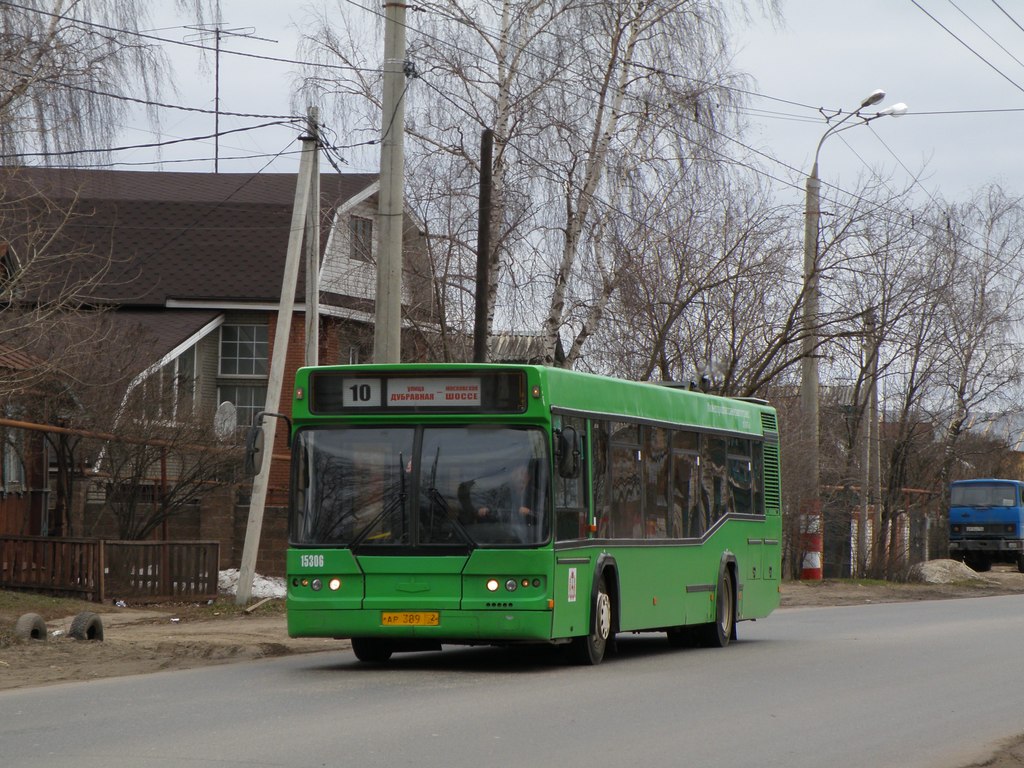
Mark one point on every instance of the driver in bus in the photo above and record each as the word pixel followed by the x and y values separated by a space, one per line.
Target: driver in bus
pixel 518 491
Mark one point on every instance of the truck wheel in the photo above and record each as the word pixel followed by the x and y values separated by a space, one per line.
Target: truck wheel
pixel 30 626
pixel 86 626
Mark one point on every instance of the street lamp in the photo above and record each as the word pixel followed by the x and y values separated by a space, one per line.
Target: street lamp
pixel 809 361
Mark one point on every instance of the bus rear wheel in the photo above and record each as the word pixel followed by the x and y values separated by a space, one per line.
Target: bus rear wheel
pixel 718 633
pixel 589 650
pixel 371 649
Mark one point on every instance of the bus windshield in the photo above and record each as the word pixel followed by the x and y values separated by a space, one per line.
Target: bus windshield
pixel 380 487
pixel 983 495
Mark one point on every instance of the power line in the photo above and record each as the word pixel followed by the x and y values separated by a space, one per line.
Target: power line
pixel 138 163
pixel 985 32
pixel 95 151
pixel 146 102
pixel 1007 15
pixel 952 34
pixel 171 41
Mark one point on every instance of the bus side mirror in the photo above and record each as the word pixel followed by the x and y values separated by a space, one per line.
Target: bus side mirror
pixel 254 440
pixel 567 452
pixel 253 450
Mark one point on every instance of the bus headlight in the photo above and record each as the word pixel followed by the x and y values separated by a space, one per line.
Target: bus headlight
pixel 334 584
pixel 492 585
pixel 316 585
pixel 511 585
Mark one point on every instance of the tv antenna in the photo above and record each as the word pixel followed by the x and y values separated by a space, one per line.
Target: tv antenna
pixel 204 32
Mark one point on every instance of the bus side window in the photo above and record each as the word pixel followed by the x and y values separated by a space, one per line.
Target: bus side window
pixel 570 503
pixel 601 493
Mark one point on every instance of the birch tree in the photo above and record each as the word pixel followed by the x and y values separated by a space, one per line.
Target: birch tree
pixel 68 66
pixel 585 99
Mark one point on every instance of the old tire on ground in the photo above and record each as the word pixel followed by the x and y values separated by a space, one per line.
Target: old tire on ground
pixel 86 626
pixel 589 649
pixel 371 649
pixel 30 626
pixel 718 633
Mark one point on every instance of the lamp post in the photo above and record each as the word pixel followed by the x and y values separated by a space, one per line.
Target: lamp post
pixel 811 535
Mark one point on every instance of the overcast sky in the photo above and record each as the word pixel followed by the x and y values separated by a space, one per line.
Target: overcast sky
pixel 961 130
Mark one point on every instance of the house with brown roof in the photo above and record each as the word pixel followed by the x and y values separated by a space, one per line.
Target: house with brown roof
pixel 196 262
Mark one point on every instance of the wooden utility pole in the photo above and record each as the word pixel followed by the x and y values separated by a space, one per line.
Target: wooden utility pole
pixel 483 248
pixel 387 336
pixel 275 381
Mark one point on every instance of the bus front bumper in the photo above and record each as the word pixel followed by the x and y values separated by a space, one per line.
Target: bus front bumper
pixel 452 626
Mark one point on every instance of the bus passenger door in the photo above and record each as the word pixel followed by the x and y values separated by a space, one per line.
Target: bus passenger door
pixel 570 590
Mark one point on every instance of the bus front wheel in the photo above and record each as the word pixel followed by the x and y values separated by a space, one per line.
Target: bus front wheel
pixel 720 631
pixel 371 649
pixel 589 650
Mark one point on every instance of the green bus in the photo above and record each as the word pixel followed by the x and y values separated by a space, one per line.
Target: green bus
pixel 505 504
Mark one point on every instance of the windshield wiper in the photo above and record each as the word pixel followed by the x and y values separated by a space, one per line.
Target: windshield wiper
pixel 438 499
pixel 393 503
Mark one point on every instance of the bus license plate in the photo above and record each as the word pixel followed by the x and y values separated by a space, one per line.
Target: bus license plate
pixel 410 618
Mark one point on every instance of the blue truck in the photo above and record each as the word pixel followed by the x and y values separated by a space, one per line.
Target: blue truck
pixel 986 522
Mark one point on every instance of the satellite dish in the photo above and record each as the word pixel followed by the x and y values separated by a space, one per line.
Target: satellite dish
pixel 225 420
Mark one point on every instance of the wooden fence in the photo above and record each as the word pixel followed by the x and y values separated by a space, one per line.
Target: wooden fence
pixel 99 570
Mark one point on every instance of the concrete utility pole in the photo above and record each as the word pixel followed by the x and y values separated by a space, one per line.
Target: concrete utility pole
pixel 313 246
pixel 275 381
pixel 810 507
pixel 387 336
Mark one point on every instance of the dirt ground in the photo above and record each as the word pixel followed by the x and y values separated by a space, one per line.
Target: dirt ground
pixel 145 639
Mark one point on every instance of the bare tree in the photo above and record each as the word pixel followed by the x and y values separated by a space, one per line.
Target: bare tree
pixel 152 453
pixel 923 304
pixel 584 100
pixel 68 66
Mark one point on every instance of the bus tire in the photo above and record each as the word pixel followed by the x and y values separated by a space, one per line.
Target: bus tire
pixel 718 633
pixel 86 626
pixel 589 650
pixel 371 650
pixel 30 626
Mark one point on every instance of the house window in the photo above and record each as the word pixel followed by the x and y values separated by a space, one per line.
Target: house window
pixel 243 350
pixel 360 232
pixel 170 392
pixel 247 399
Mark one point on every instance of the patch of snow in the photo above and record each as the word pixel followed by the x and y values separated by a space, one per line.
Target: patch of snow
pixel 943 572
pixel 262 586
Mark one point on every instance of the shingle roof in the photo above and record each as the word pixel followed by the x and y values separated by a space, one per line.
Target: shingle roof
pixel 17 360
pixel 185 236
pixel 163 330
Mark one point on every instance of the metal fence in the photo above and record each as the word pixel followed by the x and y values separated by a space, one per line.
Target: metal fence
pixel 100 570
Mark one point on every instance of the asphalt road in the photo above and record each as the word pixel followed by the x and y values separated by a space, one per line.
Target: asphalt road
pixel 934 684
